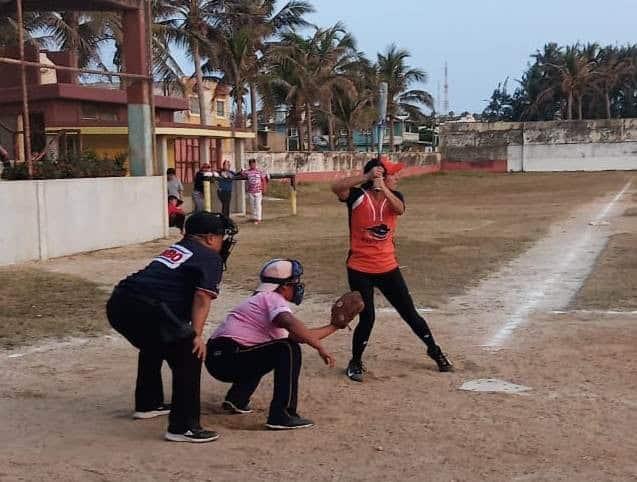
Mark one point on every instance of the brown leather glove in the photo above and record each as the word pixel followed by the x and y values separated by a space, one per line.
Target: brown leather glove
pixel 346 308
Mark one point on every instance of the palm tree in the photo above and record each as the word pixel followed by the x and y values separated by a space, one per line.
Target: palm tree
pixel 392 68
pixel 576 72
pixel 240 43
pixel 357 110
pixel 230 55
pixel 613 70
pixel 188 24
pixel 313 67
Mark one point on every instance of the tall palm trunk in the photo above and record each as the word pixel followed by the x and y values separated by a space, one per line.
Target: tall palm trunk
pixel 204 151
pixel 300 131
pixel 308 120
pixel 72 19
pixel 607 99
pixel 238 121
pixel 330 125
pixel 580 110
pixel 391 129
pixel 350 139
pixel 570 106
pixel 253 107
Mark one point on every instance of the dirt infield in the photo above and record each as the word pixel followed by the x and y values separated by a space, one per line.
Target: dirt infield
pixel 503 260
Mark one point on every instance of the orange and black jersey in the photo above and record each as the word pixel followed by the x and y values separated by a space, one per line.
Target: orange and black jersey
pixel 372 224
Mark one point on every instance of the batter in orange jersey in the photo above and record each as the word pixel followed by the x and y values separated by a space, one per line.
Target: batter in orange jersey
pixel 374 205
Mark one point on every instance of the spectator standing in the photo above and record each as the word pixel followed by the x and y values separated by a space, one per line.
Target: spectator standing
pixel 257 187
pixel 224 190
pixel 173 184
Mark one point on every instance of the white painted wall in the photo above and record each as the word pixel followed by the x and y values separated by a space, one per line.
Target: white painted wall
pixel 515 158
pixel 46 219
pixel 19 231
pixel 593 156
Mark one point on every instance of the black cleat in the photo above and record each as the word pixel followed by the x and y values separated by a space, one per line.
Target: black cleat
pixel 355 370
pixel 195 435
pixel 436 354
pixel 288 422
pixel 163 409
pixel 232 407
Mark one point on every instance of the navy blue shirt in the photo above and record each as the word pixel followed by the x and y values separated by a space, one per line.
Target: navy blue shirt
pixel 175 275
pixel 225 181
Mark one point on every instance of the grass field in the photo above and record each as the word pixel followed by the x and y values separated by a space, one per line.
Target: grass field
pixel 458 228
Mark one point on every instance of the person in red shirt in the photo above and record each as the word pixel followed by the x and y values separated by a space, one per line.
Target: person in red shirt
pixel 176 216
pixel 374 207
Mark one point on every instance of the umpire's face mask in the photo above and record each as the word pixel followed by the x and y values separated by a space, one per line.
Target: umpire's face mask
pixel 226 248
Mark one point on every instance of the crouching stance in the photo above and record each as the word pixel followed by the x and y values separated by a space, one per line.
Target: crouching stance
pixel 261 335
pixel 161 311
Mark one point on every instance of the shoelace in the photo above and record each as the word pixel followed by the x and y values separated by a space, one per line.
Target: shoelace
pixel 359 367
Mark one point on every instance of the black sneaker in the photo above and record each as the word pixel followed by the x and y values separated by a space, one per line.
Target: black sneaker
pixel 163 409
pixel 232 407
pixel 195 435
pixel 288 422
pixel 436 354
pixel 355 370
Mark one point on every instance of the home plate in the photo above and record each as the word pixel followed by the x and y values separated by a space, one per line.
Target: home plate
pixel 493 385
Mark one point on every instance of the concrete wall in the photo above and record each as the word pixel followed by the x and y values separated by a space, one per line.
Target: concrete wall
pixel 46 219
pixel 542 146
pixel 325 166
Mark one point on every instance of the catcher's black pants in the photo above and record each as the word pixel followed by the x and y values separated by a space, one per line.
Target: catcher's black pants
pixel 392 285
pixel 230 362
pixel 137 321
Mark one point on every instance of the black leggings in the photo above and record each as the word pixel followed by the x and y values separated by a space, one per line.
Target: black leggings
pixel 392 285
pixel 230 362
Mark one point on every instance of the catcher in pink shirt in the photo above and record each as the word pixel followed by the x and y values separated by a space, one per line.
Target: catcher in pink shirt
pixel 261 335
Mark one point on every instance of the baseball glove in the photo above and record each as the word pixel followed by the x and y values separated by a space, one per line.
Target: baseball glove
pixel 345 309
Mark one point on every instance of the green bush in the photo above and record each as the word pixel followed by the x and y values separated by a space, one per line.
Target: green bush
pixel 85 165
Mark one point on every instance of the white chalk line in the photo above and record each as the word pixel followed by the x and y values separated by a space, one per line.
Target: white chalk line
pixel 592 312
pixel 57 344
pixel 521 315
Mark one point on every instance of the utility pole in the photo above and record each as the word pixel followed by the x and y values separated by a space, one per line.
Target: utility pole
pixel 445 105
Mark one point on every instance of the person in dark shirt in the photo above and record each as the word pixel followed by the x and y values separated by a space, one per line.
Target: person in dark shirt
pixel 161 310
pixel 224 191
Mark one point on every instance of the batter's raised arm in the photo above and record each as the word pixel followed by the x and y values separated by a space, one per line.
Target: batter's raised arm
pixel 342 186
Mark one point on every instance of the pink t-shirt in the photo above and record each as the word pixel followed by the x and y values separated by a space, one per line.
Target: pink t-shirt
pixel 256 179
pixel 250 322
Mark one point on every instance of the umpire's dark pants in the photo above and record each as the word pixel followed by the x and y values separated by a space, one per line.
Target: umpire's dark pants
pixel 138 321
pixel 230 362
pixel 393 286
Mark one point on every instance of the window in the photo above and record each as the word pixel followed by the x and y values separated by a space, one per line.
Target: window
pixel 221 108
pixel 91 111
pixel 342 132
pixel 194 105
pixel 293 132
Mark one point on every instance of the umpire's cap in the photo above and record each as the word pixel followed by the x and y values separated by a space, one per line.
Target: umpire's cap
pixel 204 222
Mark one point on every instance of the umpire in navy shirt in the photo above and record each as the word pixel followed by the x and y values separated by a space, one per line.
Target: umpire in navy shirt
pixel 161 310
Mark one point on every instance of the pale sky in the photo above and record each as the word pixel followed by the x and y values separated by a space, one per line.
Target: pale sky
pixel 483 41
